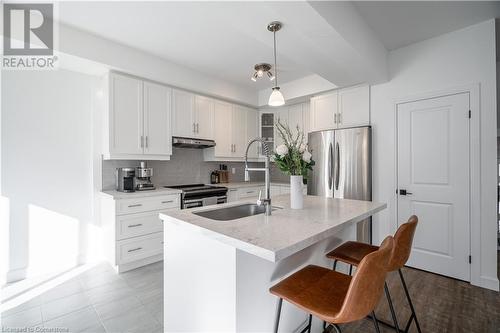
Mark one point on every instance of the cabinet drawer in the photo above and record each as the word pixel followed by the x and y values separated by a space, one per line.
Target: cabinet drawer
pixel 140 224
pixel 250 192
pixel 133 249
pixel 128 206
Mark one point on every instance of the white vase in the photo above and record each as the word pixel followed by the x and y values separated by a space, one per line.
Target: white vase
pixel 296 195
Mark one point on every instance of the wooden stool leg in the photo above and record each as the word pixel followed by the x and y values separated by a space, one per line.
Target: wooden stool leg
pixel 413 313
pixel 391 307
pixel 278 314
pixel 375 322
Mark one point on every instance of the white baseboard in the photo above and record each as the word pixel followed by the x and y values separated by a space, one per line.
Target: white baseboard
pixel 139 263
pixel 488 283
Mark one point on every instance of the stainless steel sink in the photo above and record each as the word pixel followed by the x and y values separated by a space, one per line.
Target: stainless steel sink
pixel 233 212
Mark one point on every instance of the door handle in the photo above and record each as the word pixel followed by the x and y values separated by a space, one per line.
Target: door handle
pixel 194 128
pixel 337 166
pixel 330 157
pixel 404 192
pixel 142 141
pixel 146 141
pixel 197 128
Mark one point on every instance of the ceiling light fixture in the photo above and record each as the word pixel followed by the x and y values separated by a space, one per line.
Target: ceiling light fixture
pixel 260 69
pixel 276 98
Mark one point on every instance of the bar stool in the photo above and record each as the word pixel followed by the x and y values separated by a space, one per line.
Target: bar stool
pixel 335 297
pixel 353 253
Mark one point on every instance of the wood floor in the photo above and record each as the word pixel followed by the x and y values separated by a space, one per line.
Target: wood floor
pixel 442 305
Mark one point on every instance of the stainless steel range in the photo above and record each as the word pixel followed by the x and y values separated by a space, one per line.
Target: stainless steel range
pixel 198 195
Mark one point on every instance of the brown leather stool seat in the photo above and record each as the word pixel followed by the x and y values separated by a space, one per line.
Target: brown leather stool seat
pixel 352 253
pixel 335 297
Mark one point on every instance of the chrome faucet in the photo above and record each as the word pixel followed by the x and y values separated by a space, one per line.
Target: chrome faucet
pixel 267 199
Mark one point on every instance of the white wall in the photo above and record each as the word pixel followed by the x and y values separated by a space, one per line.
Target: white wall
pixel 47 168
pixel 459 58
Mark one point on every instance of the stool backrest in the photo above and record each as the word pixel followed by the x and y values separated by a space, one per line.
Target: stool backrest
pixel 367 284
pixel 403 240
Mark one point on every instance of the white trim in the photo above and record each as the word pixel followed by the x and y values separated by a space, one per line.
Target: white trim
pixel 475 174
pixel 17 274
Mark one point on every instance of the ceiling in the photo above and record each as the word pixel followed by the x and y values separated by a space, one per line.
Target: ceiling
pixel 401 23
pixel 343 42
pixel 196 35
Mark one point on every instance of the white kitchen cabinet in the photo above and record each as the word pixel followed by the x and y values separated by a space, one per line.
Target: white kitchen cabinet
pixel 323 111
pixel 125 115
pixel 132 230
pixel 343 108
pixel 232 195
pixel 137 121
pixel 223 134
pixel 354 106
pixel 157 117
pixel 204 118
pixel 239 129
pixel 280 115
pixel 183 122
pixel 252 133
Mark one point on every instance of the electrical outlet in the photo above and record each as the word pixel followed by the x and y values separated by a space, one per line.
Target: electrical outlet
pixel 233 170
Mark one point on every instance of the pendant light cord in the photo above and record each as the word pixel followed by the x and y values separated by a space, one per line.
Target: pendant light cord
pixel 275 68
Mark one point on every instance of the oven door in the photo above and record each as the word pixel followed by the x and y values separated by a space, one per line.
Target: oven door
pixel 201 202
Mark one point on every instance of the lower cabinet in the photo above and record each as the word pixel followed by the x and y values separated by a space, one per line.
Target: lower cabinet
pixel 133 232
pixel 252 192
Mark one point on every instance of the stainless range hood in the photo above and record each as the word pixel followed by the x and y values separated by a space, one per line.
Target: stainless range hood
pixel 192 143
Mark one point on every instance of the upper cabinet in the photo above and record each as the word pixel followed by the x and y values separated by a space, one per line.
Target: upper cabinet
pixel 137 119
pixel 223 134
pixel 342 108
pixel 192 115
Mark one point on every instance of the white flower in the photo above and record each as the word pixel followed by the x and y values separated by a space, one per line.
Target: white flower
pixel 281 150
pixel 302 148
pixel 306 156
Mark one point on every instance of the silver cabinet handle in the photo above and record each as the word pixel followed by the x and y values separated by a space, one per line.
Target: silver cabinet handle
pixel 142 141
pixel 197 128
pixel 340 118
pixel 146 141
pixel 167 201
pixel 135 225
pixel 194 128
pixel 135 205
pixel 136 249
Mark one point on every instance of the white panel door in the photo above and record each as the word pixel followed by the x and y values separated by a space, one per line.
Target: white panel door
pixel 158 137
pixel 433 167
pixel 252 132
pixel 354 106
pixel 239 125
pixel 322 111
pixel 204 120
pixel 183 123
pixel 126 116
pixel 223 133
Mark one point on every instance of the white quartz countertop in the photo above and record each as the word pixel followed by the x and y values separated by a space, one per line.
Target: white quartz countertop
pixel 160 190
pixel 284 233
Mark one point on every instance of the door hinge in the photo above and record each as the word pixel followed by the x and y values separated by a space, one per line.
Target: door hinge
pixel 470 259
pixel 470 114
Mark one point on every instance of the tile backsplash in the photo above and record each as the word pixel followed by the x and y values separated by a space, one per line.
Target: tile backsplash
pixel 186 166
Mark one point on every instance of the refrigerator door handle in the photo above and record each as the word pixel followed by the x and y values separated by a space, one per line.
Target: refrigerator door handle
pixel 337 166
pixel 330 171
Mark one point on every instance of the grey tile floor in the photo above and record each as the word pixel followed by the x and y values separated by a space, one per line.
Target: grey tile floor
pixel 99 300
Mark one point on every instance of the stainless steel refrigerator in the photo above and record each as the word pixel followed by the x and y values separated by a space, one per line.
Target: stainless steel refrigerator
pixel 343 168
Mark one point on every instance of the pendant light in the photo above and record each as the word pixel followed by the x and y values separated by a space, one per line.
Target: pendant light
pixel 276 98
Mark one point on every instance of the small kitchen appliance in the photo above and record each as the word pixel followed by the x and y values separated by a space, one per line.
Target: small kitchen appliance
pixel 125 179
pixel 143 178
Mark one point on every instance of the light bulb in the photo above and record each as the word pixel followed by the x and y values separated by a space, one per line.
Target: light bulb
pixel 276 98
pixel 260 73
pixel 271 76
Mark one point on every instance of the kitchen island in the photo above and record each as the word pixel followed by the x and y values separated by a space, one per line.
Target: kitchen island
pixel 217 273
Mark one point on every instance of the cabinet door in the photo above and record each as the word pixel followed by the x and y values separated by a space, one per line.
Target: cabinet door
pixel 232 195
pixel 252 132
pixel 158 138
pixel 266 124
pixel 239 125
pixel 223 133
pixel 296 118
pixel 126 116
pixel 204 120
pixel 280 115
pixel 322 111
pixel 306 116
pixel 183 114
pixel 354 106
